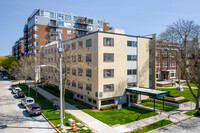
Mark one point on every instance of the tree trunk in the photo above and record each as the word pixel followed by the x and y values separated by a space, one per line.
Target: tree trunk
pixel 36 91
pixel 197 103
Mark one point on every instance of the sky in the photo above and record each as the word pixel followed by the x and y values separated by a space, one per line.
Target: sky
pixel 136 17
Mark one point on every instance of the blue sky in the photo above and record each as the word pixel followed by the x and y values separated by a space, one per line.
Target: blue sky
pixel 136 17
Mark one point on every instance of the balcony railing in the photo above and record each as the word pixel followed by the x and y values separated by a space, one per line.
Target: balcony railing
pixel 81 21
pixel 82 28
pixel 53 25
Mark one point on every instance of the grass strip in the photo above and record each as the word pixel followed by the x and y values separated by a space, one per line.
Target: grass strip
pixel 159 106
pixel 191 112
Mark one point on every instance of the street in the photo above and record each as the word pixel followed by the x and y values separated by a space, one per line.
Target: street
pixel 187 126
pixel 14 118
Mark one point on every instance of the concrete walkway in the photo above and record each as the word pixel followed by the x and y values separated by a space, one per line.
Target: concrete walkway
pixel 91 122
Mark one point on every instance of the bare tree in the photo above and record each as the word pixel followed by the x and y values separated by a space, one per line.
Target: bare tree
pixel 72 63
pixel 186 33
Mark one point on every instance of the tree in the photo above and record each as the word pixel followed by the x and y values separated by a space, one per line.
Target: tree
pixel 186 33
pixel 7 61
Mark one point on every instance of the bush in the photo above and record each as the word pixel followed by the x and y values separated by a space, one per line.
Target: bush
pixel 84 104
pixel 125 105
pixel 145 100
pixel 174 101
pixel 109 107
pixel 174 95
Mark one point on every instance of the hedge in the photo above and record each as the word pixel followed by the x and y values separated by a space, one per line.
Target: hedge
pixel 109 107
pixel 175 101
pixel 145 100
pixel 174 95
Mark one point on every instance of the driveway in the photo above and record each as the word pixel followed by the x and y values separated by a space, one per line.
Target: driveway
pixel 14 118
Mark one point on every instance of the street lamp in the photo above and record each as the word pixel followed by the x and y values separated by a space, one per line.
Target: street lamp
pixel 179 88
pixel 60 50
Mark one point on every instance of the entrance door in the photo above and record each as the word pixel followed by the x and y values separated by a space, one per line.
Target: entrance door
pixel 164 76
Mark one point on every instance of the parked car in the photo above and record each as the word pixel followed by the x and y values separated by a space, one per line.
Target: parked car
pixel 20 94
pixel 13 86
pixel 5 77
pixel 27 101
pixel 16 89
pixel 34 109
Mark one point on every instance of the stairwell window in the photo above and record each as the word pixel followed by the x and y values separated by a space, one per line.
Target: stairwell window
pixel 108 88
pixel 108 41
pixel 108 57
pixel 89 43
pixel 88 87
pixel 108 73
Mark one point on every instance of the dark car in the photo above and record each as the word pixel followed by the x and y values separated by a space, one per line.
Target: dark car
pixel 20 94
pixel 13 86
pixel 34 109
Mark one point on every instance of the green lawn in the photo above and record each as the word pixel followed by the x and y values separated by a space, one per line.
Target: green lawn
pixel 53 116
pixel 191 84
pixel 124 115
pixel 152 126
pixel 159 106
pixel 186 93
pixel 191 112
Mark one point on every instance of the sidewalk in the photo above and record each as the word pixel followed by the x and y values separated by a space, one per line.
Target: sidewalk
pixel 94 124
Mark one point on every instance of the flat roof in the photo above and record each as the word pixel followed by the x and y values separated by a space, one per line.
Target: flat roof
pixel 149 92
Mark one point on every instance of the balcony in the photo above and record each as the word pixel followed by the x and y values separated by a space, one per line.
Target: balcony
pixel 82 29
pixel 53 25
pixel 25 42
pixel 25 36
pixel 81 21
pixel 25 28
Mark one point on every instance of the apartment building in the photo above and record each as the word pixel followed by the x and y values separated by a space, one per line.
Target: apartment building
pixel 42 25
pixel 107 64
pixel 18 48
pixel 166 66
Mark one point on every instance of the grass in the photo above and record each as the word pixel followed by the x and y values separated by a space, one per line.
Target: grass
pixel 186 93
pixel 153 126
pixel 124 115
pixel 47 110
pixel 14 81
pixel 120 116
pixel 159 106
pixel 191 112
pixel 191 84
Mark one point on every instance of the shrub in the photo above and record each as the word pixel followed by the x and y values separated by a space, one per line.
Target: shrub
pixel 125 105
pixel 109 107
pixel 145 100
pixel 174 101
pixel 174 95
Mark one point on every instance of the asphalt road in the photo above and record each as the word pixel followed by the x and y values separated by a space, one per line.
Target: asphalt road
pixel 14 118
pixel 187 126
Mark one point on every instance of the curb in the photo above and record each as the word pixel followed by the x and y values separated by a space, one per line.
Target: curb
pixel 51 124
pixel 175 123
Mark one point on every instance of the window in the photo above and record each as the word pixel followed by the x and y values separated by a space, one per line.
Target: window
pixel 90 27
pixel 131 43
pixel 158 53
pixel 35 28
pixel 52 15
pixel 132 57
pixel 80 44
pixel 132 84
pixel 89 87
pixel 73 46
pixel 165 63
pixel 45 14
pixel 88 57
pixel 73 71
pixel 80 58
pixel 90 21
pixel 68 82
pixel 109 87
pixel 89 43
pixel 108 41
pixel 74 58
pixel 108 57
pixel 73 84
pixel 94 101
pixel 59 30
pixel 158 75
pixel 80 72
pixel 165 53
pixel 131 71
pixel 35 43
pixel 68 17
pixel 80 86
pixel 157 63
pixel 108 73
pixel 106 102
pixel 173 74
pixel 60 23
pixel 69 31
pixel 67 24
pixel 100 22
pixel 172 63
pixel 35 36
pixel 60 16
pixel 89 100
pixel 88 73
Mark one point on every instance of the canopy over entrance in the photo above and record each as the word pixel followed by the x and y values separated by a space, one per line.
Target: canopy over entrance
pixel 148 92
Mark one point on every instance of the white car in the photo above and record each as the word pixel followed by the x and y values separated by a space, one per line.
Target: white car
pixel 16 89
pixel 5 77
pixel 27 101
